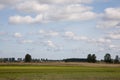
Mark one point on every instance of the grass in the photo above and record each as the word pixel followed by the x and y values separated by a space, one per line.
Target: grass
pixel 54 72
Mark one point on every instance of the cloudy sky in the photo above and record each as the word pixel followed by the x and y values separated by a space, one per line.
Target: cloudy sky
pixel 57 29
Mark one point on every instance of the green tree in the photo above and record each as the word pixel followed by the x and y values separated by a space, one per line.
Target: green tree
pixel 93 58
pixel 107 58
pixel 28 58
pixel 116 59
pixel 89 57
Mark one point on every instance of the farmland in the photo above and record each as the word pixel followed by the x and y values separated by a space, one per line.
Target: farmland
pixel 59 71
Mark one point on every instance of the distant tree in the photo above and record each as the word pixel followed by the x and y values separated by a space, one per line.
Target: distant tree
pixel 75 60
pixel 93 58
pixel 1 60
pixel 107 58
pixel 89 58
pixel 28 58
pixel 116 59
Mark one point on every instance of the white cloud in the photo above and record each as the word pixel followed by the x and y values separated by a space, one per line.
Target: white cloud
pixel 103 40
pixel 100 41
pixel 49 33
pixel 110 18
pixel 17 35
pixel 82 16
pixel 69 34
pixel 25 19
pixel 112 13
pixel 112 46
pixel 49 10
pixel 73 36
pixel 114 35
pixel 8 3
pixel 20 19
pixel 53 33
pixel 72 13
pixel 25 4
pixel 83 38
pixel 50 44
pixel 65 1
pixel 32 6
pixel 108 24
pixel 77 8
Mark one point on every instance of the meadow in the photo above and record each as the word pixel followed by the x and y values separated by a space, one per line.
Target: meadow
pixel 59 71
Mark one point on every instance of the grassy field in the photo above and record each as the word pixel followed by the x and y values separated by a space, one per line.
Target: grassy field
pixel 59 71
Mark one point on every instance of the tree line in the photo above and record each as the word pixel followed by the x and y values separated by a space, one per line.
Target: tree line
pixel 91 58
pixel 107 58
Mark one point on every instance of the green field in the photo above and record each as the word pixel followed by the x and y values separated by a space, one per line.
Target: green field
pixel 53 72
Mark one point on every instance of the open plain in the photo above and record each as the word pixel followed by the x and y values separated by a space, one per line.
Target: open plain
pixel 59 71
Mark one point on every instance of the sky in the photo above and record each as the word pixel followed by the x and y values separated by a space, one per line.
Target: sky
pixel 58 29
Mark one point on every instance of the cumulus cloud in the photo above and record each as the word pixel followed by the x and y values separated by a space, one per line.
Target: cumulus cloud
pixel 32 6
pixel 99 41
pixel 35 6
pixel 112 13
pixel 103 40
pixel 48 33
pixel 22 3
pixel 114 35
pixel 112 46
pixel 17 35
pixel 71 13
pixel 73 36
pixel 50 43
pixel 49 10
pixel 25 19
pixel 108 24
pixel 110 19
pixel 69 34
pixel 8 3
pixel 65 1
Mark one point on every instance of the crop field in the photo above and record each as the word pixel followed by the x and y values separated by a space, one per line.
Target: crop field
pixel 54 72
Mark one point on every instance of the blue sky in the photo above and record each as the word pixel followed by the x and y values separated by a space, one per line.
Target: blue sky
pixel 58 29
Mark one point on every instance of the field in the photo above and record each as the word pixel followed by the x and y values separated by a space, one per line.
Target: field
pixel 59 71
